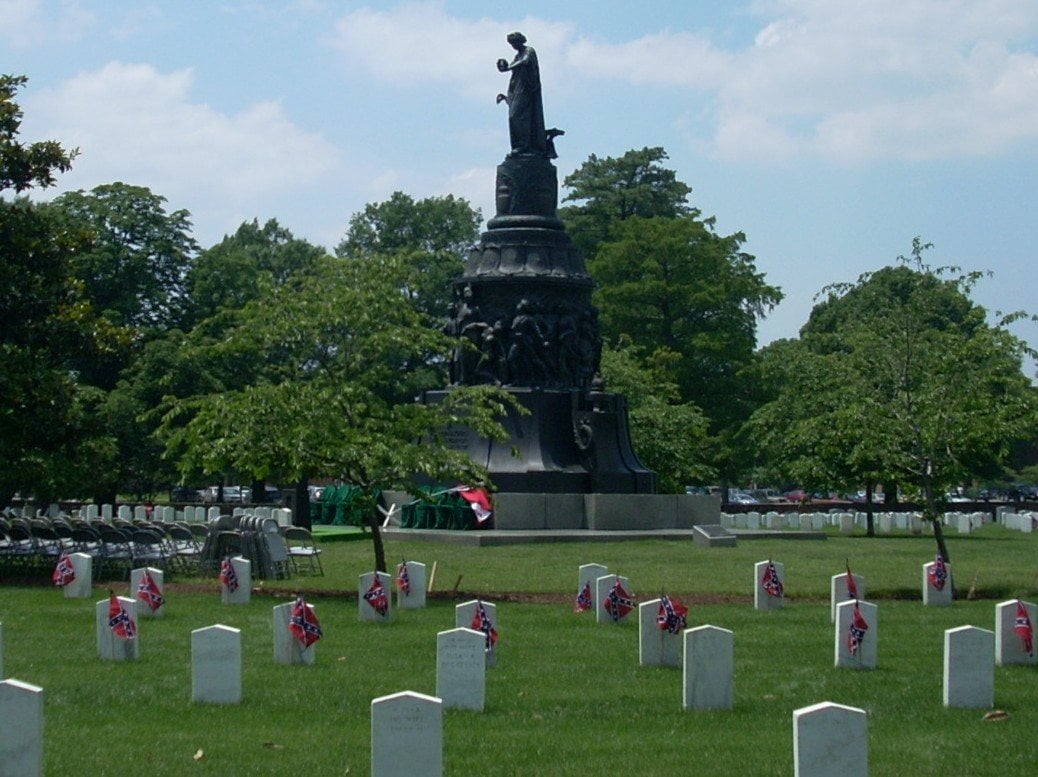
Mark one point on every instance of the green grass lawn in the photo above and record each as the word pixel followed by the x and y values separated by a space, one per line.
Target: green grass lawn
pixel 567 696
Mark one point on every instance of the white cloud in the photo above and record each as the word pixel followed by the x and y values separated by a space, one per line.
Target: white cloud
pixel 846 81
pixel 420 41
pixel 140 126
pixel 28 23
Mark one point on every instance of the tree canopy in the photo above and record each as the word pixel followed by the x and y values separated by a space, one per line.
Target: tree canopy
pixel 137 258
pixel 898 377
pixel 48 326
pixel 613 189
pixel 669 284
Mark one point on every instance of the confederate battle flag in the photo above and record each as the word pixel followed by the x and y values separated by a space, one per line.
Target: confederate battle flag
pixel 149 593
pixel 119 621
pixel 770 582
pixel 673 615
pixel 64 572
pixel 481 622
pixel 856 633
pixel 852 584
pixel 937 573
pixel 1023 628
pixel 618 602
pixel 303 624
pixel 376 596
pixel 228 577
pixel 583 603
pixel 403 580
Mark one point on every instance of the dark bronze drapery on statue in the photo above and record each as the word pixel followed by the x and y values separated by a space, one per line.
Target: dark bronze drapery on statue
pixel 523 317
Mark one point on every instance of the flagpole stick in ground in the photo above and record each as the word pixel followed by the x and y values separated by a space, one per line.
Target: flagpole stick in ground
pixel 432 577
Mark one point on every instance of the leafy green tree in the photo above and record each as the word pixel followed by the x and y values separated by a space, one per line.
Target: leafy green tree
pixel 47 326
pixel 135 267
pixel 431 235
pixel 670 284
pixel 429 238
pixel 242 266
pixel 674 285
pixel 334 343
pixel 611 190
pixel 668 434
pixel 25 166
pixel 898 377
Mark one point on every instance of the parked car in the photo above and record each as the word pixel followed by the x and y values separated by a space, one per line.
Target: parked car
pixel 211 494
pixel 742 498
pixel 184 494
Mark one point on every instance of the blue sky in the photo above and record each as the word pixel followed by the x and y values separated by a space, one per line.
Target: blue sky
pixel 830 133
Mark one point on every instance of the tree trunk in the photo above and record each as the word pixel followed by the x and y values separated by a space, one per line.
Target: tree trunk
pixel 870 524
pixel 301 504
pixel 932 516
pixel 376 540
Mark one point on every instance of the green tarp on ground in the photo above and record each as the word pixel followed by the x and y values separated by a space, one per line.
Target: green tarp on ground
pixel 343 505
pixel 440 510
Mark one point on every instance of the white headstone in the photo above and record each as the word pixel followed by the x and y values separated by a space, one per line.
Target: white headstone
pixel 864 657
pixel 406 735
pixel 461 669
pixel 82 585
pixel 602 588
pixel 110 646
pixel 243 573
pixel 656 646
pixel 846 523
pixel 883 524
pixel 288 649
pixel 21 729
pixel 106 512
pixel 762 599
pixel 414 599
pixel 969 667
pixel 140 513
pixel 818 521
pixel 588 574
pixel 367 602
pixel 125 513
pixel 465 614
pixel 838 592
pixel 830 739
pixel 143 608
pixel 1009 646
pixel 709 654
pixel 216 665
pixel 933 596
pixel 92 512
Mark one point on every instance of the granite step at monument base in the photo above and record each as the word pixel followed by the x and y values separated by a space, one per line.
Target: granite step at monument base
pixel 492 537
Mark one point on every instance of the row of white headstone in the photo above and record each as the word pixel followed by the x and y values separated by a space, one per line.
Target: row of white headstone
pixel 884 522
pixel 170 514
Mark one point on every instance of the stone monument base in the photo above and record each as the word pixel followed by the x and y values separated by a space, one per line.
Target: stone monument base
pixel 571 442
pixel 595 512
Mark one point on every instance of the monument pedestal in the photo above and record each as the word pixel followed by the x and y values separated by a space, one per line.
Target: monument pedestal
pixel 571 442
